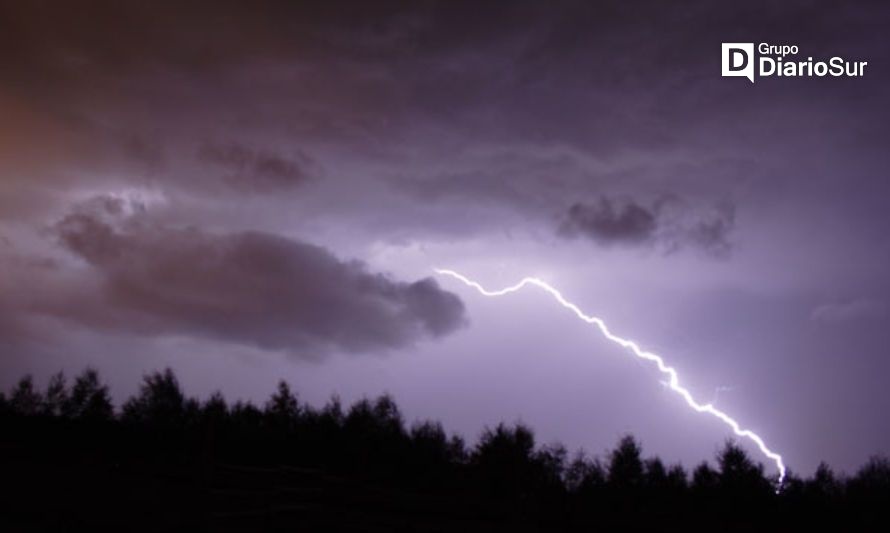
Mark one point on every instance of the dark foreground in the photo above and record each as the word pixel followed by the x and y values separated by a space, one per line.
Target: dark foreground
pixel 166 462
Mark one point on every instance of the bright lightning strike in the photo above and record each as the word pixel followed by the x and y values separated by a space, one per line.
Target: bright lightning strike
pixel 673 382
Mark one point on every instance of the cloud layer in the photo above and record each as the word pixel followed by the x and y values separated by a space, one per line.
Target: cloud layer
pixel 669 224
pixel 249 287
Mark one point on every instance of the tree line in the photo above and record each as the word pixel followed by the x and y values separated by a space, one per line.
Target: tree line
pixel 505 476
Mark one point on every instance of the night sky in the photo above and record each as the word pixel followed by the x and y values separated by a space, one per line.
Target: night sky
pixel 251 191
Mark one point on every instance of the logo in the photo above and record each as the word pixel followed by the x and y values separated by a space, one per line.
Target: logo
pixel 738 60
pixel 774 61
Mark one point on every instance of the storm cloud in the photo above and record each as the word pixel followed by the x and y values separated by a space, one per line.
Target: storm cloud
pixel 249 169
pixel 249 287
pixel 605 223
pixel 670 224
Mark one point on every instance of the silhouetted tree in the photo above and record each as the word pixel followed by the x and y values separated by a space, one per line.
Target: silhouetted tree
pixel 739 477
pixel 663 488
pixel 213 419
pixel 282 415
pixel 552 461
pixel 872 481
pixel 655 474
pixel 283 406
pixel 160 401
pixel 381 419
pixel 824 485
pixel 585 476
pixel 374 433
pixel 676 479
pixel 25 400
pixel 215 408
pixel 503 462
pixel 388 416
pixel 322 434
pixel 56 396
pixel 251 451
pixel 704 487
pixel 246 416
pixel 89 398
pixel 457 450
pixel 704 479
pixel 874 474
pixel 868 494
pixel 432 445
pixel 332 413
pixel 433 455
pixel 626 465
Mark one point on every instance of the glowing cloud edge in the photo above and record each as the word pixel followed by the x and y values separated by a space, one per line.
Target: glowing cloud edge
pixel 673 381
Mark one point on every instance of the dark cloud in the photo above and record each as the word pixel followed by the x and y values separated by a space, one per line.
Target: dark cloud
pixel 669 224
pixel 605 223
pixel 250 288
pixel 710 232
pixel 391 83
pixel 251 169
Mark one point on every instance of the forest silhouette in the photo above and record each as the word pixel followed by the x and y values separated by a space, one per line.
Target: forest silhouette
pixel 165 460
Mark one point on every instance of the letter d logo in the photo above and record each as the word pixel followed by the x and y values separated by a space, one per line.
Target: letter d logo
pixel 738 60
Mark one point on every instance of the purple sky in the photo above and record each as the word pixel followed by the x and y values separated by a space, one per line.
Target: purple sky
pixel 249 194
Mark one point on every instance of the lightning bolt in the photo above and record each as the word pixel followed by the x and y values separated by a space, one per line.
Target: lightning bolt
pixel 673 382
